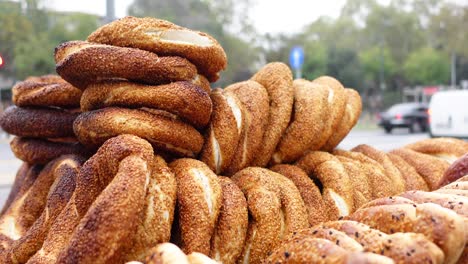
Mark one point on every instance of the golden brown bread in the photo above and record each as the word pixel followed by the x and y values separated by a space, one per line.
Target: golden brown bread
pixel 38 122
pixel 277 79
pixel 167 39
pixel 448 149
pixel 361 186
pixel 94 128
pixel 77 64
pixel 413 181
pixel 183 98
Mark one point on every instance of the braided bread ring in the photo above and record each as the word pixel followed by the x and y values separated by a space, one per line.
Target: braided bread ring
pixel 32 122
pixel 81 63
pixel 41 151
pixel 337 191
pixel 310 193
pixel 165 38
pixel 59 194
pixel 95 127
pixel 254 99
pixel 448 149
pixel 306 128
pixel 351 115
pixel 413 181
pixel 229 235
pixel 224 131
pixel 94 176
pixel 277 78
pixel 362 192
pixel 155 225
pixel 199 201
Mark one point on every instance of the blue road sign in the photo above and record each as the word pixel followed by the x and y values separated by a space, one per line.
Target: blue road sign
pixel 296 57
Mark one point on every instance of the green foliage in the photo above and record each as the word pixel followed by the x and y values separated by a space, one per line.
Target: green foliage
pixel 427 66
pixel 374 60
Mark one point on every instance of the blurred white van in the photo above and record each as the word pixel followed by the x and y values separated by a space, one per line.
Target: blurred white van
pixel 448 114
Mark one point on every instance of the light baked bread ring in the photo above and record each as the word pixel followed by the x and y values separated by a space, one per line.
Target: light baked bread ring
pixel 381 157
pixel 413 181
pixel 38 122
pixel 310 193
pixel 58 196
pixel 230 232
pixel 199 200
pixel 361 185
pixel 224 131
pixel 305 130
pixel 337 190
pixel 183 99
pixel 277 79
pixel 41 151
pixel 49 93
pixel 351 115
pixel 448 149
pixel 155 225
pixel 81 63
pixel 94 176
pixel 457 170
pixel 430 168
pixel 254 99
pixel 337 106
pixel 165 38
pixel 95 127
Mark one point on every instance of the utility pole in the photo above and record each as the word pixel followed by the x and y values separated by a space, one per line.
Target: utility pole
pixel 110 11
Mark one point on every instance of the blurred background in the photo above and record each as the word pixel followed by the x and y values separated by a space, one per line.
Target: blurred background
pixel 390 50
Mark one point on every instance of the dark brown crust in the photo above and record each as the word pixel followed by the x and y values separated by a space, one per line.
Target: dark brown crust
pixel 133 32
pixel 81 63
pixel 183 99
pixel 413 181
pixel 35 122
pixel 277 79
pixel 41 151
pixel 199 199
pixel 352 112
pixel 59 194
pixel 310 193
pixel 230 233
pixel 58 94
pixel 95 127
pixel 94 177
pixel 456 170
pixel 430 168
pixel 254 98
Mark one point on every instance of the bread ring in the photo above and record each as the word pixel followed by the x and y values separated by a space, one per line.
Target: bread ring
pixel 81 63
pixel 56 93
pixel 95 127
pixel 310 193
pixel 199 200
pixel 430 168
pixel 337 107
pixel 166 253
pixel 49 78
pixel 155 225
pixel 254 100
pixel 58 196
pixel 165 38
pixel 40 151
pixel 381 157
pixel 93 178
pixel 305 130
pixel 230 232
pixel 380 184
pixel 224 131
pixel 35 122
pixel 25 210
pixel 457 170
pixel 456 203
pixel 277 79
pixel 361 186
pixel 453 192
pixel 183 99
pixel 202 82
pixel 337 190
pixel 413 181
pixel 448 149
pixel 25 177
pixel 351 115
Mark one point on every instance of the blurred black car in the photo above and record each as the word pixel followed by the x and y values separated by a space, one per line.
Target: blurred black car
pixel 413 116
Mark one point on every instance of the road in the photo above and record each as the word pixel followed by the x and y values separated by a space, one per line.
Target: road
pixel 376 138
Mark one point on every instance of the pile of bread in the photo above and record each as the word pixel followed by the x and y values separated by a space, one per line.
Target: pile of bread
pixel 123 178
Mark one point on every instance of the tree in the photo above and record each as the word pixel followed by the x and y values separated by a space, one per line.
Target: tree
pixel 427 67
pixel 377 62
